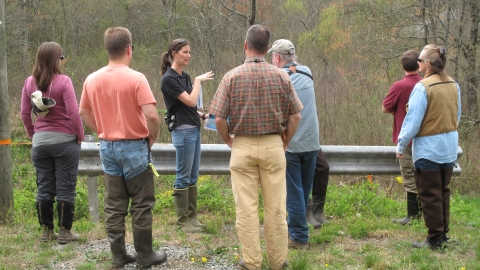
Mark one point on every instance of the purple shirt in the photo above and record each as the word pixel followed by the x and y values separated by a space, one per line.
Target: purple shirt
pixel 63 117
pixel 396 100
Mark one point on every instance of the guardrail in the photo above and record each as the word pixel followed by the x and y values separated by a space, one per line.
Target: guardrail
pixel 215 158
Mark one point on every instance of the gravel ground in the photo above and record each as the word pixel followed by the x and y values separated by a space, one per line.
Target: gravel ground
pixel 177 257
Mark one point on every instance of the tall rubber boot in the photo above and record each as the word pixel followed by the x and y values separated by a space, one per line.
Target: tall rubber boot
pixel 181 209
pixel 429 188
pixel 143 245
pixel 319 188
pixel 446 176
pixel 45 218
pixel 118 249
pixel 192 206
pixel 310 219
pixel 413 209
pixel 142 192
pixel 65 215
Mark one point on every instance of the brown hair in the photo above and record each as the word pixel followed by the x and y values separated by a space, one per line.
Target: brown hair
pixel 435 55
pixel 167 58
pixel 258 38
pixel 116 39
pixel 410 60
pixel 47 64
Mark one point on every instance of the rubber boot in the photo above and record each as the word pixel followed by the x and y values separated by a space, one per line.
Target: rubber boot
pixel 413 209
pixel 65 215
pixel 120 257
pixel 429 188
pixel 143 245
pixel 432 243
pixel 45 218
pixel 319 187
pixel 192 206
pixel 310 219
pixel 116 201
pixel 181 209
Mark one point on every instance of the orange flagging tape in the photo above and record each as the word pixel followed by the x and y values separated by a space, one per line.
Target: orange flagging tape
pixel 9 142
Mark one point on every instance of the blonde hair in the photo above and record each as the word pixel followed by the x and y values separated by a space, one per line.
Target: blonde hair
pixel 435 55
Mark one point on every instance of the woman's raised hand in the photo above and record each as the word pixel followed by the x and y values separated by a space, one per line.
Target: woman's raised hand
pixel 205 77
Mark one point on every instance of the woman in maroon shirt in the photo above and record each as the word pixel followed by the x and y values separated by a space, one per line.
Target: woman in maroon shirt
pixel 56 132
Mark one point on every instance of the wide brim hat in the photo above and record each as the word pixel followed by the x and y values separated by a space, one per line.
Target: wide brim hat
pixel 40 105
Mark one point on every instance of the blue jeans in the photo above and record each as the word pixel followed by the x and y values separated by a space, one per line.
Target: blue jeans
pixel 187 145
pixel 125 158
pixel 427 165
pixel 299 174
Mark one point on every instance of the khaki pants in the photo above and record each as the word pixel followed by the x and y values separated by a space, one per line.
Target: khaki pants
pixel 406 168
pixel 260 161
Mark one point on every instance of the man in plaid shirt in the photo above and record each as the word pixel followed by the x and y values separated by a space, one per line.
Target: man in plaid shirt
pixel 261 104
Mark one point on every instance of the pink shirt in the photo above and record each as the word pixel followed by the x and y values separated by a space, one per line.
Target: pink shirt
pixel 115 94
pixel 63 117
pixel 396 100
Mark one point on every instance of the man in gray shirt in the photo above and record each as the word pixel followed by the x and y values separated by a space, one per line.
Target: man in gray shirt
pixel 302 151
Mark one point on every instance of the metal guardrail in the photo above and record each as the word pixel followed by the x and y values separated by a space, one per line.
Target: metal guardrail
pixel 215 158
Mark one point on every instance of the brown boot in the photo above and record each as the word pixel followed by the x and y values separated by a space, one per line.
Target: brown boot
pixel 65 236
pixel 45 218
pixel 446 176
pixel 192 206
pixel 181 209
pixel 65 216
pixel 429 188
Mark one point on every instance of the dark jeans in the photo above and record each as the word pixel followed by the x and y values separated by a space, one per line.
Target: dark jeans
pixel 57 168
pixel 427 165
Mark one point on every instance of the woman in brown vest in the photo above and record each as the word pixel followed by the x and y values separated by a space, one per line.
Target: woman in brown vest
pixel 433 114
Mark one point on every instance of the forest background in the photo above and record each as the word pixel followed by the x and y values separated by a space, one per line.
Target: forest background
pixel 353 48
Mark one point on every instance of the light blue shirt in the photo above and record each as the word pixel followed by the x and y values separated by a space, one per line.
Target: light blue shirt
pixel 440 148
pixel 307 136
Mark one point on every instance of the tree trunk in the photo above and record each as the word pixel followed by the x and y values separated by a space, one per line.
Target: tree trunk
pixel 6 188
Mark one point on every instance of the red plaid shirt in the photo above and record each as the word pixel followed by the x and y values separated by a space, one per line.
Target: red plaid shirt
pixel 257 96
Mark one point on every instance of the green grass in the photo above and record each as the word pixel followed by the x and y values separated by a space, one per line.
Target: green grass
pixel 360 234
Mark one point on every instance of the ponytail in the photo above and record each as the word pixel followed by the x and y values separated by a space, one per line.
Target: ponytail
pixel 166 62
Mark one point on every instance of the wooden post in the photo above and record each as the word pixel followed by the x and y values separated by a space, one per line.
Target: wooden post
pixel 6 187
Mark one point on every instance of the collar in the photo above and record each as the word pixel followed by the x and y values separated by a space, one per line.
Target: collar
pixel 288 65
pixel 256 59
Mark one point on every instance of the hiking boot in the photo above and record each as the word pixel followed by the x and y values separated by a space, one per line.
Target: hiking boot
pixel 48 234
pixel 296 245
pixel 65 236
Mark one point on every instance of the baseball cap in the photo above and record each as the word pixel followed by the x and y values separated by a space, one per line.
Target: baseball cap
pixel 282 46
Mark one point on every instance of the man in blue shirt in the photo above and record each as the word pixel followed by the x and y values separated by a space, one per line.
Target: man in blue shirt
pixel 302 151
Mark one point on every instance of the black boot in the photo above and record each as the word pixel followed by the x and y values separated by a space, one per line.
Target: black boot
pixel 65 221
pixel 310 219
pixel 45 218
pixel 319 188
pixel 413 209
pixel 430 242
pixel 143 245
pixel 119 252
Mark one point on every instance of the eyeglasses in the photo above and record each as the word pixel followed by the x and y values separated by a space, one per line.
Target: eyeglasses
pixel 62 57
pixel 420 60
pixel 131 45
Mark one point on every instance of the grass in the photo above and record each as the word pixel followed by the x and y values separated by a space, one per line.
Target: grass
pixel 360 234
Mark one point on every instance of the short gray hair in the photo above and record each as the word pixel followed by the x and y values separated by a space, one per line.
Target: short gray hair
pixel 287 57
